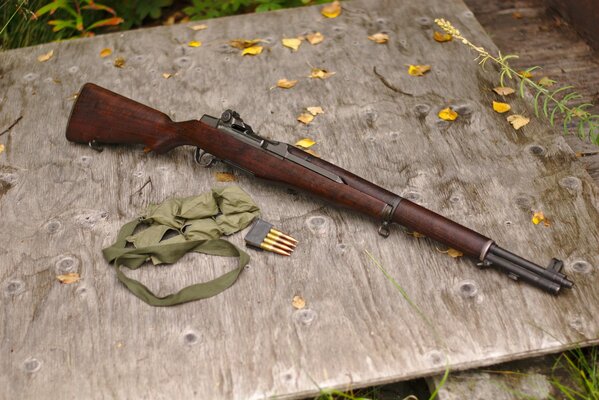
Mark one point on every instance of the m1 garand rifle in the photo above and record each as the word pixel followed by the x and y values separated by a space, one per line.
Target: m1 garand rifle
pixel 100 116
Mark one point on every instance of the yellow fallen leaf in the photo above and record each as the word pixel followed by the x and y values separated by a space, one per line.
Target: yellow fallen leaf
pixel 119 62
pixel 224 177
pixel 286 83
pixel 447 114
pixel 166 75
pixel 546 81
pixel 320 73
pixel 199 27
pixel 292 43
pixel 194 43
pixel 518 121
pixel 243 43
pixel 1 148
pixel 503 90
pixel 71 277
pixel 418 70
pixel 298 302
pixel 454 253
pixel 331 10
pixel 416 234
pixel 305 143
pixel 538 217
pixel 305 118
pixel 501 107
pixel 105 52
pixel 45 57
pixel 315 38
pixel 379 38
pixel 252 51
pixel 441 37
pixel 525 74
pixel 315 110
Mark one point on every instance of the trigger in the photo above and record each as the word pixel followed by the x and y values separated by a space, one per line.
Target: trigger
pixel 204 159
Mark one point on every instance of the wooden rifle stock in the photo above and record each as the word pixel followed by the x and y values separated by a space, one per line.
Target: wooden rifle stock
pixel 100 116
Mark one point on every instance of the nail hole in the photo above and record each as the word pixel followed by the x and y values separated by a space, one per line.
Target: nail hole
pixel 14 287
pixel 32 365
pixel 53 226
pixel 582 267
pixel 412 196
pixel 571 183
pixel 305 316
pixel 468 289
pixel 190 338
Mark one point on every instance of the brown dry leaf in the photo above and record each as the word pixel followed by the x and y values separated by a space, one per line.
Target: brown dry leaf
pixel 252 51
pixel 525 74
pixel 292 43
pixel 331 10
pixel 119 62
pixel 518 121
pixel 194 43
pixel 320 73
pixel 454 253
pixel 305 143
pixel 45 57
pixel 286 83
pixel 105 52
pixel 442 37
pixel 379 38
pixel 298 302
pixel 1 148
pixel 166 75
pixel 501 107
pixel 503 90
pixel 538 217
pixel 199 27
pixel 71 277
pixel 224 177
pixel 305 118
pixel 315 110
pixel 315 38
pixel 243 43
pixel 448 114
pixel 418 70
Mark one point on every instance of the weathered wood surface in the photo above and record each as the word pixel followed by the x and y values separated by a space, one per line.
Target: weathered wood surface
pixel 62 203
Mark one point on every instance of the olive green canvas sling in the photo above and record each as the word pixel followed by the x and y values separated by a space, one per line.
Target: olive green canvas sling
pixel 197 223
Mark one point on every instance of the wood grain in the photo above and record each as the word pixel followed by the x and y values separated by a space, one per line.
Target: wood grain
pixel 61 203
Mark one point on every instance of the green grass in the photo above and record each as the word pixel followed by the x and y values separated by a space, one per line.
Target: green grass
pixel 18 29
pixel 582 368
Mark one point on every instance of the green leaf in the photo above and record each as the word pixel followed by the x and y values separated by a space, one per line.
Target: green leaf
pixel 50 7
pixel 105 22
pixel 522 82
pixel 552 118
pixel 536 103
pixel 60 24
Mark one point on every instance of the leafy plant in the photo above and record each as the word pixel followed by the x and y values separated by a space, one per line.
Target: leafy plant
pixel 72 21
pixel 548 102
